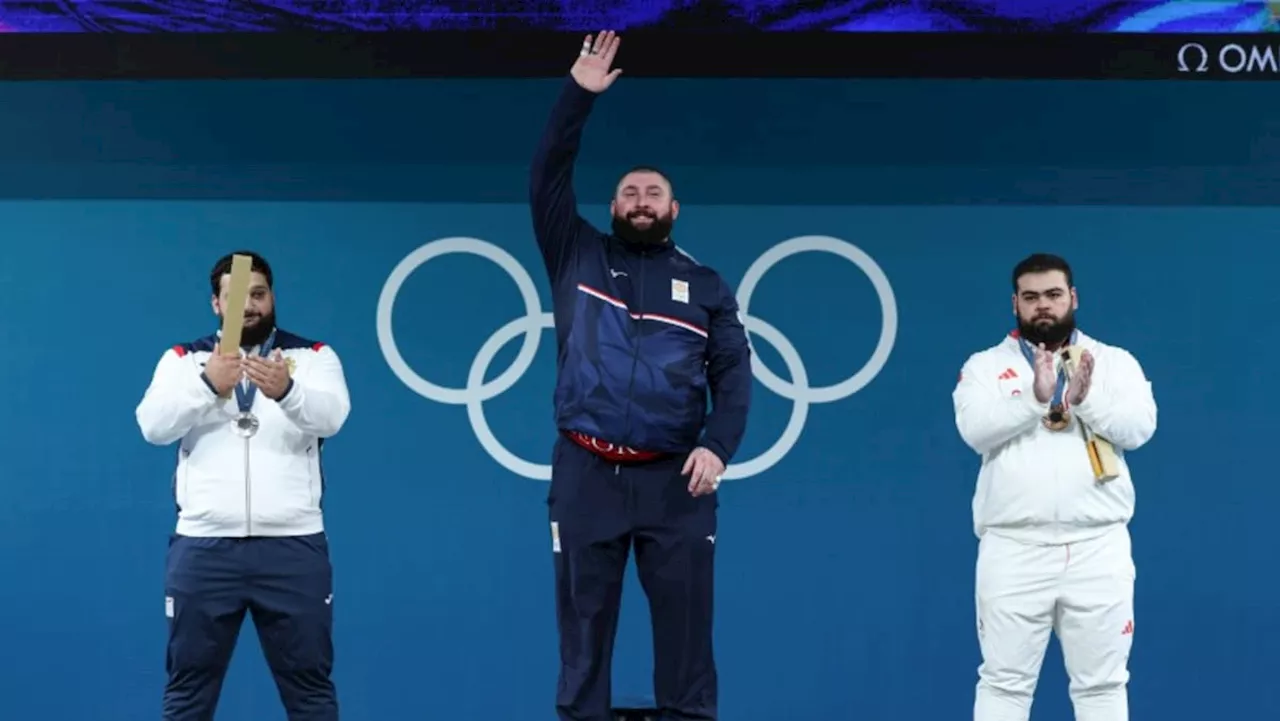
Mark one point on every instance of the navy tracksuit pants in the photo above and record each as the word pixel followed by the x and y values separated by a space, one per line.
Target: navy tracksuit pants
pixel 286 584
pixel 599 511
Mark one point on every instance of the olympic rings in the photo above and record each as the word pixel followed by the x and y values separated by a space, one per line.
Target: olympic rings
pixel 535 320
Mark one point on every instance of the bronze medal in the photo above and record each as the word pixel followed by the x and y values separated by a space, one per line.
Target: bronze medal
pixel 1058 419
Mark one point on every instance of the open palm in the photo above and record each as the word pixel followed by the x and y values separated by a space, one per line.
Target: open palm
pixel 1046 381
pixel 592 70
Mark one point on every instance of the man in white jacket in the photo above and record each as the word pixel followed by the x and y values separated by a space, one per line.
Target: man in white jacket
pixel 1054 551
pixel 250 533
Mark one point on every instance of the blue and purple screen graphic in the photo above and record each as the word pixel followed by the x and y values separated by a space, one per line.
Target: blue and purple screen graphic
pixel 940 16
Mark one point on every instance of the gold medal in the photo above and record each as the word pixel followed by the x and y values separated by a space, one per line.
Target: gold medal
pixel 1058 419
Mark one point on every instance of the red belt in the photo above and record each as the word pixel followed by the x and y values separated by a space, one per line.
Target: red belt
pixel 615 452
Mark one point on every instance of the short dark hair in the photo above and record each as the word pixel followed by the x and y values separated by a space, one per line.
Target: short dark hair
pixel 1041 263
pixel 223 266
pixel 649 169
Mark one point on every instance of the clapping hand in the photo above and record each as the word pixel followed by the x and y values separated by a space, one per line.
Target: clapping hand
pixel 1081 379
pixel 1046 380
pixel 270 375
pixel 591 71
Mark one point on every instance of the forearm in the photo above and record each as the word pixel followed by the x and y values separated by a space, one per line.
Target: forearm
pixel 730 406
pixel 561 137
pixel 985 423
pixel 726 424
pixel 171 407
pixel 1119 405
pixel 1126 419
pixel 551 196
pixel 729 375
pixel 315 411
pixel 318 403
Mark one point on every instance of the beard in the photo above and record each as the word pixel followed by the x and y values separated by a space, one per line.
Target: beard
pixel 656 233
pixel 1053 332
pixel 257 333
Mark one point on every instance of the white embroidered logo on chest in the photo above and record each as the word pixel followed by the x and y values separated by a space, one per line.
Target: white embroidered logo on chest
pixel 679 291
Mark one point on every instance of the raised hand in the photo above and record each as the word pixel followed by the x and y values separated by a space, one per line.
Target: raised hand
pixel 591 71
pixel 1046 381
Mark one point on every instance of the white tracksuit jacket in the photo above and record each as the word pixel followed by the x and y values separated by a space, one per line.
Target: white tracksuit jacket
pixel 1036 485
pixel 225 485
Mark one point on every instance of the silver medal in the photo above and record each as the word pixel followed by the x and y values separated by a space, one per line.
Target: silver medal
pixel 245 425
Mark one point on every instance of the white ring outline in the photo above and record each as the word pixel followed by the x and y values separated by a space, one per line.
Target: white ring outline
pixel 795 391
pixel 535 320
pixel 420 257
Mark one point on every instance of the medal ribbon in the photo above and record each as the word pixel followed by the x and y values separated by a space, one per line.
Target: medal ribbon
pixel 244 395
pixel 1029 353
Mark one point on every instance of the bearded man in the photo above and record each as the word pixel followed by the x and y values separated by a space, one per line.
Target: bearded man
pixel 249 423
pixel 644 334
pixel 1054 552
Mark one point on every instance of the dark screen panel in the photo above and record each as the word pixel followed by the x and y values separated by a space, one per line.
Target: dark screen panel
pixel 732 38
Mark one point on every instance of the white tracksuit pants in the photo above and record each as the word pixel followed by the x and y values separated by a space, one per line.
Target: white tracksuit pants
pixel 1084 593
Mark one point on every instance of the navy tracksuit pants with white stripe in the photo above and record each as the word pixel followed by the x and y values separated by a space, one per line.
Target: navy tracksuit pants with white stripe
pixel 286 584
pixel 599 511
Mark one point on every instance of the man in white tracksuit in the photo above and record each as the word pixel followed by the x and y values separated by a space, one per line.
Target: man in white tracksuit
pixel 1054 550
pixel 249 488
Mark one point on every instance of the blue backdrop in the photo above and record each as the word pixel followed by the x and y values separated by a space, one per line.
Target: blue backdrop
pixel 846 561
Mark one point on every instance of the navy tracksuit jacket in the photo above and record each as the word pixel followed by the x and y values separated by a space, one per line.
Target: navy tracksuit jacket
pixel 643 334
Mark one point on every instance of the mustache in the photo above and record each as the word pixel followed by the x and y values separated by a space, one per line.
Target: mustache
pixel 641 214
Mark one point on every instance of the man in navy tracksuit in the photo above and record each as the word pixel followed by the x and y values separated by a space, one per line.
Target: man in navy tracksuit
pixel 643 333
